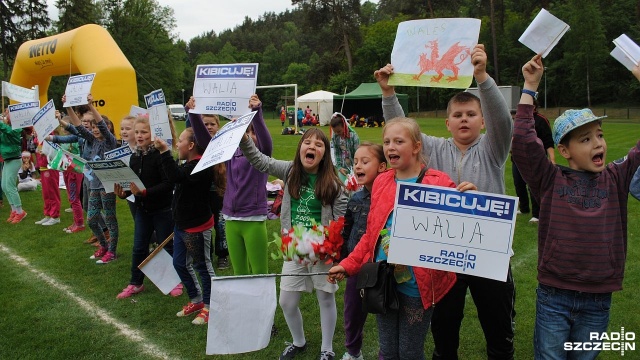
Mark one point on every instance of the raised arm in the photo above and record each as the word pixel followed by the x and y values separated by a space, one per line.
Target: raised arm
pixel 72 114
pixel 264 141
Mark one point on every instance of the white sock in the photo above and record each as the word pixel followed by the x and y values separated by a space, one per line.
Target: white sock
pixel 328 318
pixel 289 301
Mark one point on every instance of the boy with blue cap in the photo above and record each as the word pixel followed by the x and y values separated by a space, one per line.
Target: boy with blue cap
pixel 582 234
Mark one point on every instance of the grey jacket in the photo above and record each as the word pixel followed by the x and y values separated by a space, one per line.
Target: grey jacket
pixel 484 162
pixel 280 169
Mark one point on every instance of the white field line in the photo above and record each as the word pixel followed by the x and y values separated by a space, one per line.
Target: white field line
pixel 93 310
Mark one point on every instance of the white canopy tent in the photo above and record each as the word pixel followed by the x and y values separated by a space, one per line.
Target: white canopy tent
pixel 320 102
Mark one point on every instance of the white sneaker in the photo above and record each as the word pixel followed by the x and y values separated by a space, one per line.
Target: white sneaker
pixel 68 210
pixel 533 220
pixel 43 220
pixel 348 356
pixel 51 221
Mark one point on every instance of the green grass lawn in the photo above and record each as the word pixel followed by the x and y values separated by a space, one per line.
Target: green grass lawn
pixel 39 320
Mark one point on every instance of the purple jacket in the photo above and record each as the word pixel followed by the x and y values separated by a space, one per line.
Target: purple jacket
pixel 246 193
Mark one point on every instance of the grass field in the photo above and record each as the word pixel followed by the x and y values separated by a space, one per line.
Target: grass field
pixel 58 304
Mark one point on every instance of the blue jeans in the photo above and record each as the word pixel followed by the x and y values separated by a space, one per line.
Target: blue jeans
pixel 568 316
pixel 184 261
pixel 145 224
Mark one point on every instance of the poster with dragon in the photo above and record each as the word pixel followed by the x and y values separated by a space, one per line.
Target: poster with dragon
pixel 434 53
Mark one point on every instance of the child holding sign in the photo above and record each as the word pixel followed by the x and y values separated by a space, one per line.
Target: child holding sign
pixel 99 140
pixel 10 150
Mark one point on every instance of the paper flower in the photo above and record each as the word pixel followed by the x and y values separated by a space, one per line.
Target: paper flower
pixel 310 245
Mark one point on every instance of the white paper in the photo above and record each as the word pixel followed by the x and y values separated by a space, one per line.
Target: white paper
pixel 224 144
pixel 44 121
pixel 159 269
pixel 441 228
pixel 224 89
pixel 123 153
pixel 544 33
pixel 138 111
pixel 626 51
pixel 111 172
pixel 158 116
pixel 78 88
pixel 434 53
pixel 241 315
pixel 22 114
pixel 19 93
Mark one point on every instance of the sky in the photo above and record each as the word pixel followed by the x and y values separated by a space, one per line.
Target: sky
pixel 194 17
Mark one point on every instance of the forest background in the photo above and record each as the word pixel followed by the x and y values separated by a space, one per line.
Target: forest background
pixel 335 45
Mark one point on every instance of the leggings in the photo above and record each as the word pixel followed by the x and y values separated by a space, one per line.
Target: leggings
pixel 100 200
pixel 247 242
pixel 9 181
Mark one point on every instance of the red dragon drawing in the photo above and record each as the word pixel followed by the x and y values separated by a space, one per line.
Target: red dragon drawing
pixel 453 57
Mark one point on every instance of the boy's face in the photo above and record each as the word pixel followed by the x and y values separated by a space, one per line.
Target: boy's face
pixel 587 149
pixel 464 122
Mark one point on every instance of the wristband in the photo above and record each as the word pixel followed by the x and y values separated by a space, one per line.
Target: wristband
pixel 534 94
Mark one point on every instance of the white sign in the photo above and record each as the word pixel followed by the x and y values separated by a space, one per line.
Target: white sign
pixel 123 153
pixel 241 315
pixel 137 111
pixel 158 116
pixel 22 114
pixel 159 269
pixel 78 88
pixel 111 172
pixel 44 121
pixel 19 93
pixel 434 53
pixel 626 52
pixel 464 232
pixel 224 89
pixel 544 33
pixel 224 144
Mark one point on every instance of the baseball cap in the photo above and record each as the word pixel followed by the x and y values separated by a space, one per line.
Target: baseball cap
pixel 572 119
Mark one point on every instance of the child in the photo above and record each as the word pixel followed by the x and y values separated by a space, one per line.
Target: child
pixel 312 191
pixel 193 222
pixel 369 162
pixel 283 114
pixel 401 332
pixel 153 204
pixel 479 158
pixel 344 142
pixel 26 182
pixel 10 149
pixel 582 234
pixel 50 181
pixel 99 140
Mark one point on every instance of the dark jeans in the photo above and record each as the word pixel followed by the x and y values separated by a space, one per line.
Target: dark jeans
pixel 144 226
pixel 495 303
pixel 524 193
pixel 220 238
pixel 185 261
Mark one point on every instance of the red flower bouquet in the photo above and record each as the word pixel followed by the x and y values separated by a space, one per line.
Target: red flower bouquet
pixel 310 245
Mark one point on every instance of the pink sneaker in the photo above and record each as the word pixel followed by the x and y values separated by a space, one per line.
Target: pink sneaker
pixel 18 217
pixel 11 216
pixel 190 308
pixel 129 291
pixel 177 291
pixel 107 258
pixel 102 250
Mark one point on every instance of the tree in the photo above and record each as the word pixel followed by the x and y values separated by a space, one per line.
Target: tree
pixel 35 22
pixel 10 36
pixel 75 13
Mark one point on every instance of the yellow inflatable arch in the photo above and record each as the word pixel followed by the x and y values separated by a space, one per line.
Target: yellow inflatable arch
pixel 84 50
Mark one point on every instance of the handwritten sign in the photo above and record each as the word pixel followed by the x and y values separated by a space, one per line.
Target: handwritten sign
pixel 19 93
pixel 544 33
pixel 434 53
pixel 224 89
pixel 78 88
pixel 44 121
pixel 442 228
pixel 137 111
pixel 224 144
pixel 22 114
pixel 158 115
pixel 111 172
pixel 626 52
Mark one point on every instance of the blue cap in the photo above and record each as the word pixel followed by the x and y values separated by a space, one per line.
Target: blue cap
pixel 572 119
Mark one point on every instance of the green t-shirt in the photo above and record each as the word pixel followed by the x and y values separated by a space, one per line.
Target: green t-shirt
pixel 306 208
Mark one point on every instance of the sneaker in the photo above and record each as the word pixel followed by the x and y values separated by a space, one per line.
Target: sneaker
pixel 74 229
pixel 348 356
pixel 129 291
pixel 11 216
pixel 177 291
pixel 190 308
pixel 99 253
pixel 223 263
pixel 68 210
pixel 107 258
pixel 202 318
pixel 517 213
pixel 534 220
pixel 18 217
pixel 327 355
pixel 91 240
pixel 291 351
pixel 42 221
pixel 51 221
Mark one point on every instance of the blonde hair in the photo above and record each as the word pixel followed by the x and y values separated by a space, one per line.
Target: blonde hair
pixel 413 129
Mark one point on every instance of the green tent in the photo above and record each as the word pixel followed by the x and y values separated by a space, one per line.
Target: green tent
pixel 366 101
